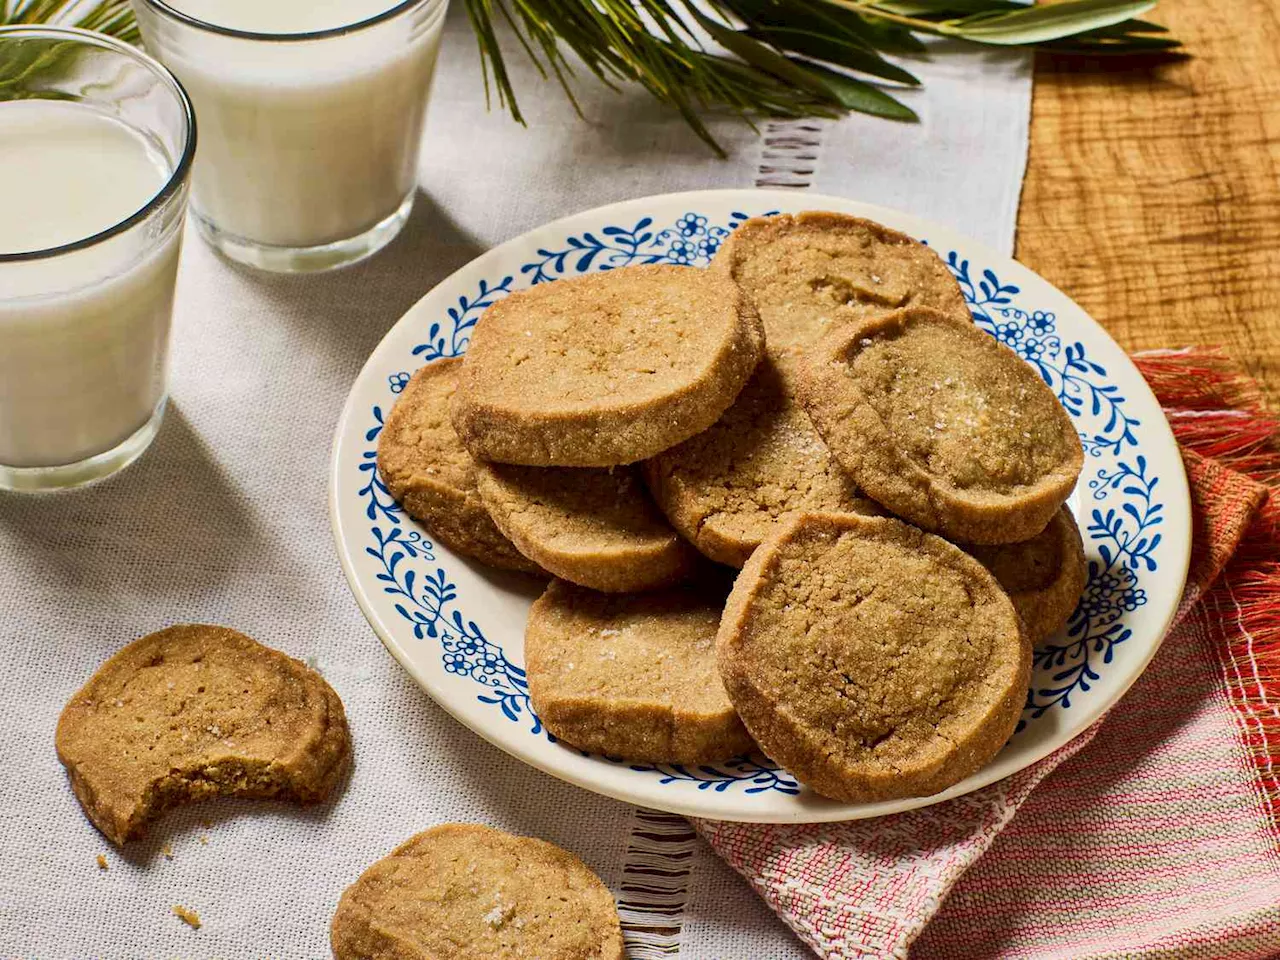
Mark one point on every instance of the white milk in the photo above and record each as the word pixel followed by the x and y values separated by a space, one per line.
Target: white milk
pixel 302 143
pixel 83 335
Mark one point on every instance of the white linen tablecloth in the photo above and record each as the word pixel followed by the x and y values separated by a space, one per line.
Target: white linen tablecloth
pixel 225 521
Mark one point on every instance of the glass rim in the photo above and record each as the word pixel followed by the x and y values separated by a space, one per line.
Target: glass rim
pixel 180 170
pixel 161 6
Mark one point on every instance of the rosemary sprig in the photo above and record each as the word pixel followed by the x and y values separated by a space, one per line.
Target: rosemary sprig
pixel 757 58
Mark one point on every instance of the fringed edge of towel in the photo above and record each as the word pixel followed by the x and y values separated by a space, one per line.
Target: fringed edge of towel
pixel 1217 411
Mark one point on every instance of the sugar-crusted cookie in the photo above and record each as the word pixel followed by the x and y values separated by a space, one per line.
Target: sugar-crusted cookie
pixel 193 712
pixel 727 488
pixel 943 425
pixel 604 369
pixel 425 466
pixel 872 660
pixel 1043 576
pixel 632 676
pixel 807 273
pixel 596 527
pixel 467 892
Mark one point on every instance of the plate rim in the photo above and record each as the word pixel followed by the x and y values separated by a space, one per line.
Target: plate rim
pixel 821 811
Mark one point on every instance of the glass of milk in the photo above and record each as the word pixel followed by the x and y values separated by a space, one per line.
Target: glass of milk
pixel 311 115
pixel 96 142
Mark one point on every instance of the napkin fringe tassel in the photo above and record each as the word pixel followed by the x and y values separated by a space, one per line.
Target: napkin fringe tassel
pixel 1219 412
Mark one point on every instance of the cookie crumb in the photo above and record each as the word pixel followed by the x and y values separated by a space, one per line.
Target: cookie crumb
pixel 167 851
pixel 204 841
pixel 189 917
pixel 102 862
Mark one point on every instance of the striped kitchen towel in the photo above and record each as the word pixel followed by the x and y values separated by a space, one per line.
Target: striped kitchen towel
pixel 1155 833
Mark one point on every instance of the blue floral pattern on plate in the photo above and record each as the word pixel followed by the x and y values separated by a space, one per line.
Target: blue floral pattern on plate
pixel 1123 525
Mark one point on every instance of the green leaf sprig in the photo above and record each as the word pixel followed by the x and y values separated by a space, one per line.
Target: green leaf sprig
pixel 787 58
pixel 755 58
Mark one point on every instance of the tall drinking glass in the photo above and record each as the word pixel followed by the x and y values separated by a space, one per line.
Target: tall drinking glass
pixel 311 115
pixel 96 142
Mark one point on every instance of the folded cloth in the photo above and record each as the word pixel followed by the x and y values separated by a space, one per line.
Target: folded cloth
pixel 1152 834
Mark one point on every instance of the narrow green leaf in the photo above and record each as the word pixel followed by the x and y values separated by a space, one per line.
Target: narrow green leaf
pixel 889 37
pixel 1051 21
pixel 762 56
pixel 918 8
pixel 814 17
pixel 863 97
pixel 834 51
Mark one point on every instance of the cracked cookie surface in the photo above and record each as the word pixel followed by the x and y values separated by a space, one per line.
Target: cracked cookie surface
pixel 872 660
pixel 197 711
pixel 468 892
pixel 604 369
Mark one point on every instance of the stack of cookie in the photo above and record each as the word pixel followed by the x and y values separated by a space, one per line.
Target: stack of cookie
pixel 818 409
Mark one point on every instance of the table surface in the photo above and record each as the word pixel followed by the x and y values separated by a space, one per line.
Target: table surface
pixel 1153 192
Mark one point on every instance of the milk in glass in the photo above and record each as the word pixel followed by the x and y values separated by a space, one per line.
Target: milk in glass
pixel 303 142
pixel 83 334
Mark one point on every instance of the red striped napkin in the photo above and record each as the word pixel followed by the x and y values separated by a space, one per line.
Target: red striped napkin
pixel 1155 833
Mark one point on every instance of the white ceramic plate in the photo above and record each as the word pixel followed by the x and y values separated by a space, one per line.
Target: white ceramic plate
pixel 458 628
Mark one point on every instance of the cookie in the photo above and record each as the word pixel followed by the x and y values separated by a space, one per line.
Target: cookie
pixel 604 369
pixel 728 488
pixel 194 712
pixel 466 892
pixel 1043 576
pixel 872 660
pixel 943 425
pixel 598 528
pixel 632 676
pixel 426 468
pixel 807 273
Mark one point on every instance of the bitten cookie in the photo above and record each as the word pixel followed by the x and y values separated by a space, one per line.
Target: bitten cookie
pixel 467 892
pixel 604 369
pixel 727 488
pixel 872 660
pixel 598 528
pixel 1043 576
pixel 632 676
pixel 943 425
pixel 193 712
pixel 424 466
pixel 807 273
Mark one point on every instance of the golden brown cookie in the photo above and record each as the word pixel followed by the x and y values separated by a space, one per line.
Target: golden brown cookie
pixel 807 273
pixel 466 892
pixel 872 660
pixel 727 488
pixel 604 369
pixel 943 425
pixel 1043 576
pixel 632 676
pixel 425 466
pixel 596 527
pixel 193 712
